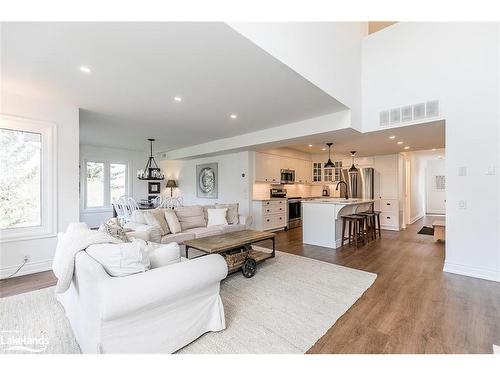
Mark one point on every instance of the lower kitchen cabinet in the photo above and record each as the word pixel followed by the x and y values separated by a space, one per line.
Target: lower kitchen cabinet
pixel 270 214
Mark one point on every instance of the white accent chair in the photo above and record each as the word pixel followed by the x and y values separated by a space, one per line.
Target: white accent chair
pixel 157 311
pixel 171 202
pixel 126 206
pixel 158 201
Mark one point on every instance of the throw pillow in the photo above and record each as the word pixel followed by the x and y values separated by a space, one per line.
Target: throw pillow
pixel 205 212
pixel 173 222
pixel 232 212
pixel 138 216
pixel 163 255
pixel 121 259
pixel 190 217
pixel 217 216
pixel 156 218
pixel 115 231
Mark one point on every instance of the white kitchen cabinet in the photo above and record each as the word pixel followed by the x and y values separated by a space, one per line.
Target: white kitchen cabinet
pixel 270 214
pixel 267 168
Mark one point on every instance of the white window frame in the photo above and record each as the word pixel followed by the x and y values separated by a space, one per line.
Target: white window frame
pixel 48 181
pixel 107 183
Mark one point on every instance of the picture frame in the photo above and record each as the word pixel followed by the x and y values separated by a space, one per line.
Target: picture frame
pixel 153 188
pixel 207 180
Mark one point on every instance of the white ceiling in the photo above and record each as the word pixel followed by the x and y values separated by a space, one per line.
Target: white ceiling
pixel 419 137
pixel 137 70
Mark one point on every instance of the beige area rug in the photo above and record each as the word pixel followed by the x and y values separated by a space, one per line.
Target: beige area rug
pixel 285 308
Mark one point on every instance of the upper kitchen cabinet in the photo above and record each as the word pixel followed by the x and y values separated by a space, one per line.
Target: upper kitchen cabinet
pixel 268 168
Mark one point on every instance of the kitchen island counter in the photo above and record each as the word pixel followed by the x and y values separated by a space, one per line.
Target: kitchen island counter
pixel 322 219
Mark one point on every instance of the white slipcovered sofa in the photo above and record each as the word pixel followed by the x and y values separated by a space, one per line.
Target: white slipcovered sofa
pixel 157 311
pixel 193 222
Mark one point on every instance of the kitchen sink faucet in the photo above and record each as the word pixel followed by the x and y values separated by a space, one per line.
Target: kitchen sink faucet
pixel 346 188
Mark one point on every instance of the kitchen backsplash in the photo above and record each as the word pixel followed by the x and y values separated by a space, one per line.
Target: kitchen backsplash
pixel 261 190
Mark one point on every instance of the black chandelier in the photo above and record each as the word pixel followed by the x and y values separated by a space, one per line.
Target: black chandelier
pixel 152 170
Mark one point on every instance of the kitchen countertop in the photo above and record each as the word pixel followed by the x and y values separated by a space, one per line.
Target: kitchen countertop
pixel 272 199
pixel 338 201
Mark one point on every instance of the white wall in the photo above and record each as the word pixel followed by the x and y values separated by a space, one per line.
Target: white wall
pixel 65 116
pixel 326 53
pixel 137 188
pixel 232 187
pixel 458 64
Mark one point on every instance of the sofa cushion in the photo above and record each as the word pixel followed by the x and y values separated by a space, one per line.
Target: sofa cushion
pixel 177 237
pixel 190 217
pixel 121 259
pixel 233 228
pixel 201 232
pixel 137 216
pixel 114 230
pixel 161 255
pixel 205 211
pixel 156 218
pixel 216 216
pixel 173 222
pixel 232 212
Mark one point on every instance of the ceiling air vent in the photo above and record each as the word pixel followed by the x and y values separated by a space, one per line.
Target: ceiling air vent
pixel 384 118
pixel 419 111
pixel 432 109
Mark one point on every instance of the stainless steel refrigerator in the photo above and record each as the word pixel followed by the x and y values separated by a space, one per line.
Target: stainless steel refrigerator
pixel 360 185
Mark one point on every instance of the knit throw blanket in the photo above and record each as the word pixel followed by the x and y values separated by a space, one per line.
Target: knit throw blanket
pixel 76 238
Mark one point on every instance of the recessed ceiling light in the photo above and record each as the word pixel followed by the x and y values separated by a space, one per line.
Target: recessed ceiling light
pixel 178 99
pixel 85 69
pixel 233 116
pixel 323 149
pixel 407 147
pixel 392 137
pixel 433 149
pixel 310 145
pixel 400 142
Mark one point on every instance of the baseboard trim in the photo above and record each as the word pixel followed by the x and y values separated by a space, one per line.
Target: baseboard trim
pixel 416 218
pixel 31 267
pixel 479 273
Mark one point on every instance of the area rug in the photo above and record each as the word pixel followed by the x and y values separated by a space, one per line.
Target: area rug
pixel 285 308
pixel 427 230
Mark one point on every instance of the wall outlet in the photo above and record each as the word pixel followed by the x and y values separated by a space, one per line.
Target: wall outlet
pixel 26 258
pixel 462 205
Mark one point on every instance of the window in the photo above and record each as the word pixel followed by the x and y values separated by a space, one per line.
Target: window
pixel 27 187
pixel 95 184
pixel 104 183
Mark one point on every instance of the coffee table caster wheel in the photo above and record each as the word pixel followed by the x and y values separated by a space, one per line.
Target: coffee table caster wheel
pixel 249 267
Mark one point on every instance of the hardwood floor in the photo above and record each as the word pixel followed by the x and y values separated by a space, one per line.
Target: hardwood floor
pixel 413 307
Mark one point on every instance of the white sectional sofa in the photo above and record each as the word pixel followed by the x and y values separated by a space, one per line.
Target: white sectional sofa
pixel 193 221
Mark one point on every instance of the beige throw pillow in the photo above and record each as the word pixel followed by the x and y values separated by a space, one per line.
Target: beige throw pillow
pixel 190 217
pixel 173 222
pixel 232 212
pixel 217 216
pixel 156 218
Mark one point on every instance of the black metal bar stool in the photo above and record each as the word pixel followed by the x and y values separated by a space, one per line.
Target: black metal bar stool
pixel 356 225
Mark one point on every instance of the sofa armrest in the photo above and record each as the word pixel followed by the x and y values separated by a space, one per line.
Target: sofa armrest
pixel 246 220
pixel 125 295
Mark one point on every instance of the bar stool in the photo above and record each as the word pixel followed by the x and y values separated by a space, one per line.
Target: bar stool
pixel 376 222
pixel 370 223
pixel 356 228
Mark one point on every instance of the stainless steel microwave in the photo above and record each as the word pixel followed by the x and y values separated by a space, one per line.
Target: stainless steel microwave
pixel 287 176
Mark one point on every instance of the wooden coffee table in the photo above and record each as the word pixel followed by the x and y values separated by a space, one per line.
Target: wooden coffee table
pixel 235 242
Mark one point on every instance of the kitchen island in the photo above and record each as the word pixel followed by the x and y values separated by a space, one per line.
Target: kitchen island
pixel 322 219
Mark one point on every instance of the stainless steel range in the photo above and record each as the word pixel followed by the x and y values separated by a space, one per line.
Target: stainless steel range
pixel 294 212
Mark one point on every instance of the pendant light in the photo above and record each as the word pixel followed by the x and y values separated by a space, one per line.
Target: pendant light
pixel 152 170
pixel 353 170
pixel 329 163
